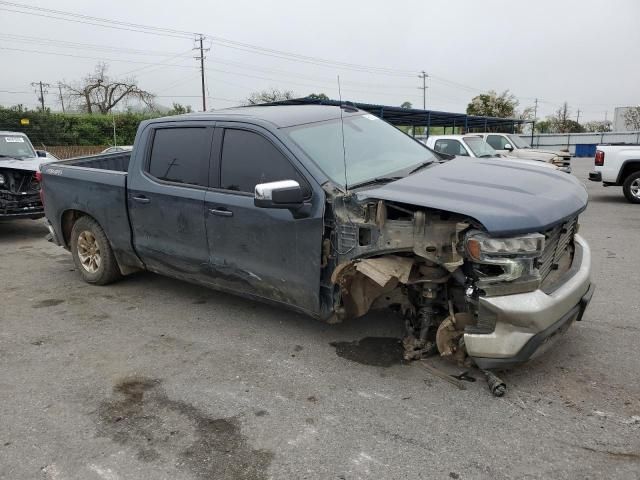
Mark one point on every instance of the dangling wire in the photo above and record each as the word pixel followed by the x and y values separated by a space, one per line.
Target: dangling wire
pixel 344 149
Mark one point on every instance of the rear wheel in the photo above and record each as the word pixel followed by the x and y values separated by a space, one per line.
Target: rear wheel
pixel 631 187
pixel 92 253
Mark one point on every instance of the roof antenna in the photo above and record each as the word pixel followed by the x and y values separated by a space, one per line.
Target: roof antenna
pixel 344 150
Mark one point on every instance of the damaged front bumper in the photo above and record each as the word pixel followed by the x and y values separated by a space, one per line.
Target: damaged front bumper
pixel 527 322
pixel 20 205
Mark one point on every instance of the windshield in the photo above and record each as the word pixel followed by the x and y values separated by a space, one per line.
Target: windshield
pixel 479 147
pixel 372 149
pixel 518 142
pixel 15 146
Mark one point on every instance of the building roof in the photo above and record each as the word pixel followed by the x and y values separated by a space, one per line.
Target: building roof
pixel 418 118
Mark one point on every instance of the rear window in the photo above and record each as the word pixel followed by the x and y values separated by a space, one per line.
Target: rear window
pixel 181 155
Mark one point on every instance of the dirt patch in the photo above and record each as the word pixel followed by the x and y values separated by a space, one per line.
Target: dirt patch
pixel 376 351
pixel 49 302
pixel 141 416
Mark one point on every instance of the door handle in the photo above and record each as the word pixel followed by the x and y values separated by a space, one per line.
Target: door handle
pixel 141 199
pixel 221 212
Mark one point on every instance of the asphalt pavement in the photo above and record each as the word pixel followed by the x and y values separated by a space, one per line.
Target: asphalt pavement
pixel 154 378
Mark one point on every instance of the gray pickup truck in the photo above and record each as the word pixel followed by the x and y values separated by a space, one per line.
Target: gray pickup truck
pixel 333 212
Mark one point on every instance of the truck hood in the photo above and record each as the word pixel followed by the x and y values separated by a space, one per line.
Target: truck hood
pixel 31 164
pixel 536 154
pixel 506 198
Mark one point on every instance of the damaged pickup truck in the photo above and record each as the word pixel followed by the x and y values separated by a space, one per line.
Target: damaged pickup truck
pixel 19 171
pixel 334 213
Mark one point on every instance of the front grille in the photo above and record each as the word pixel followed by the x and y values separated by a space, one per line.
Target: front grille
pixel 557 241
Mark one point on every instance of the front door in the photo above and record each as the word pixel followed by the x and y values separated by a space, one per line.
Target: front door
pixel 166 200
pixel 269 253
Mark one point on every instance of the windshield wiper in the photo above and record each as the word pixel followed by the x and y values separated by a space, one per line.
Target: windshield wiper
pixel 373 181
pixel 421 166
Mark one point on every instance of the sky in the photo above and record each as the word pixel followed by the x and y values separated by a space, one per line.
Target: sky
pixel 582 52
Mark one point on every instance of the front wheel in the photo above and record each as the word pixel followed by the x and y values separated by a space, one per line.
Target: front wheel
pixel 92 253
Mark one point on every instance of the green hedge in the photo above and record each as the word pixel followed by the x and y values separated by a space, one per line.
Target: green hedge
pixel 47 129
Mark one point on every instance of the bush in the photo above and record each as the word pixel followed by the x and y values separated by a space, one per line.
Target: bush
pixel 47 129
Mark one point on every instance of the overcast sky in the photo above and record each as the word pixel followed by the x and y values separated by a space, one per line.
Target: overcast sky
pixel 584 52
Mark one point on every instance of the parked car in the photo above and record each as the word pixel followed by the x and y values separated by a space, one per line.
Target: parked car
pixel 514 146
pixel 618 165
pixel 474 146
pixel 118 148
pixel 19 184
pixel 277 204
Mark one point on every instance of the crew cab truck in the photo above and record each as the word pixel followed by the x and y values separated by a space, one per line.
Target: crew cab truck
pixel 514 146
pixel 618 165
pixel 333 212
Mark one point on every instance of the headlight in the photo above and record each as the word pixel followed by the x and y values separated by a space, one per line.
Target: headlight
pixel 2 180
pixel 513 255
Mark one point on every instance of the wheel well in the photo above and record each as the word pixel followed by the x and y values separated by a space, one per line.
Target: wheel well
pixel 69 218
pixel 629 168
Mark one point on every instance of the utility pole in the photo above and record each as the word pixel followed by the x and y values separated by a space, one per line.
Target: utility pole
pixel 424 87
pixel 61 99
pixel 43 90
pixel 535 116
pixel 201 58
pixel 578 117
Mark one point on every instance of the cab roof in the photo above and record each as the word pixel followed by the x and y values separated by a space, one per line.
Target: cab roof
pixel 280 116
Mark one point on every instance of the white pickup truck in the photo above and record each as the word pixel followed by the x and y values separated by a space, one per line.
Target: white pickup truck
pixel 618 165
pixel 514 146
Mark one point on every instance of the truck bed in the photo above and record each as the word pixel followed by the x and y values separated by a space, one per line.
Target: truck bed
pixel 95 186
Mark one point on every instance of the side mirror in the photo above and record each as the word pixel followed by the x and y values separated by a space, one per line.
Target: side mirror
pixel 41 153
pixel 508 146
pixel 282 194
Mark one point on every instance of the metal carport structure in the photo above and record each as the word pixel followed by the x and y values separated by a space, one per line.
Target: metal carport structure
pixel 413 117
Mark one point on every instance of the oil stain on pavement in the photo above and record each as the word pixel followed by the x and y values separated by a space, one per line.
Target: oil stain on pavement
pixel 141 416
pixel 376 351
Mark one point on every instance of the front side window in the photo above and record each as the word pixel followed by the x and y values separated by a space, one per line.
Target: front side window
pixel 450 147
pixel 248 159
pixel 181 155
pixel 497 141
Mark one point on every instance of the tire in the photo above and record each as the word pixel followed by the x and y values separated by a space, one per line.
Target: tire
pixel 92 253
pixel 631 187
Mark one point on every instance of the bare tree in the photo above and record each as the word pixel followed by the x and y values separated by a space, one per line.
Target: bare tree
pixel 270 95
pixel 632 118
pixel 560 118
pixel 98 93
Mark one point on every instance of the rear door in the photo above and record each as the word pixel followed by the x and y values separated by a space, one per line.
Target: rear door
pixel 269 253
pixel 166 199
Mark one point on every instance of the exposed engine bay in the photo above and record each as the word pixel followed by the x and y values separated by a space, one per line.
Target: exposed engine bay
pixel 431 267
pixel 19 193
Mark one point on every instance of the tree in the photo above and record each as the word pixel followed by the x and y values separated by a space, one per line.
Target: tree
pixel 317 96
pixel 406 105
pixel 179 109
pixel 97 92
pixel 632 118
pixel 491 104
pixel 597 126
pixel 561 122
pixel 270 95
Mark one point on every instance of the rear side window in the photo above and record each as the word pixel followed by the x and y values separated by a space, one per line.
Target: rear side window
pixel 249 159
pixel 181 155
pixel 497 141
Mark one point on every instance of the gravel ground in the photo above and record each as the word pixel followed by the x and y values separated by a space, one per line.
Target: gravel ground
pixel 156 378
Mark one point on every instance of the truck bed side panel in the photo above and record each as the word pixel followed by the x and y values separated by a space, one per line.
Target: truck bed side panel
pixel 100 194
